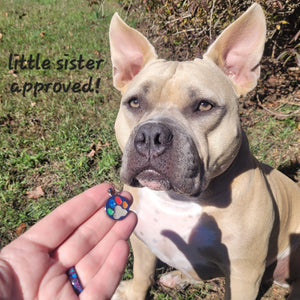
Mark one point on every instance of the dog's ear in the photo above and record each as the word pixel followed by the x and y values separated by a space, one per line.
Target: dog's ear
pixel 130 51
pixel 239 48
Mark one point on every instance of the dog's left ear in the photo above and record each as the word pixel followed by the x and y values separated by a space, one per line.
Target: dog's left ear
pixel 130 51
pixel 239 48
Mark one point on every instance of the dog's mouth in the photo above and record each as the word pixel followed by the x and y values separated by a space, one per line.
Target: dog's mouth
pixel 153 180
pixel 161 156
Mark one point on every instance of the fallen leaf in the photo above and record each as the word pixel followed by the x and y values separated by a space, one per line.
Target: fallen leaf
pixel 96 52
pixel 20 229
pixel 92 153
pixel 12 72
pixel 42 34
pixel 100 145
pixel 96 148
pixel 283 22
pixel 36 193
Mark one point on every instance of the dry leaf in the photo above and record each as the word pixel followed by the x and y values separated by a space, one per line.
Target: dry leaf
pixel 42 34
pixel 36 193
pixel 96 52
pixel 100 145
pixel 96 148
pixel 283 22
pixel 20 229
pixel 12 72
pixel 92 153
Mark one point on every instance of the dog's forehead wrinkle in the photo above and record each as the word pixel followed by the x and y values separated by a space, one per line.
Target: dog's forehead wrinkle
pixel 143 88
pixel 146 87
pixel 199 93
pixel 200 85
pixel 162 67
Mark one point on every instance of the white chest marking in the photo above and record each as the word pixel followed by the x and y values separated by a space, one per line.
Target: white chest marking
pixel 171 229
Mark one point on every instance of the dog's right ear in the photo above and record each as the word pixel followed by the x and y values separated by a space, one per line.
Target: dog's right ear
pixel 239 48
pixel 130 51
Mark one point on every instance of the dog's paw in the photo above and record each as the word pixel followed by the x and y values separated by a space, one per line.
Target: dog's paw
pixel 128 291
pixel 175 280
pixel 120 293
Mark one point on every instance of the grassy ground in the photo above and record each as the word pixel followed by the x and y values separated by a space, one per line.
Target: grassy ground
pixel 45 140
pixel 55 144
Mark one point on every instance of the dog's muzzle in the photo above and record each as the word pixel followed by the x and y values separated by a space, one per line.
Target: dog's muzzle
pixel 160 155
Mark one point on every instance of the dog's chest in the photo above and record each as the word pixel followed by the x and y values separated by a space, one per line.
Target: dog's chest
pixel 172 230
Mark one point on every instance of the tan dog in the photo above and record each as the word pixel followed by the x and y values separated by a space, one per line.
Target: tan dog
pixel 205 205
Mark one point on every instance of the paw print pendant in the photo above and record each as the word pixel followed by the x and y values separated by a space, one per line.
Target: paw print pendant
pixel 117 207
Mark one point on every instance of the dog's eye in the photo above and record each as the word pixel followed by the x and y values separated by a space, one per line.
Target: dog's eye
pixel 204 106
pixel 134 103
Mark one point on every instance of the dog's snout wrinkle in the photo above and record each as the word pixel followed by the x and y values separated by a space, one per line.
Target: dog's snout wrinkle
pixel 153 139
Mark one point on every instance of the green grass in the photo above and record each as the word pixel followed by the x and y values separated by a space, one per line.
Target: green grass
pixel 272 141
pixel 45 140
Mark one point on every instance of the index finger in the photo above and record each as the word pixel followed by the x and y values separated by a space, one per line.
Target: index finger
pixel 52 230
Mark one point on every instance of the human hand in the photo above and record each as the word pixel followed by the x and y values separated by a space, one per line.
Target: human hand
pixel 78 233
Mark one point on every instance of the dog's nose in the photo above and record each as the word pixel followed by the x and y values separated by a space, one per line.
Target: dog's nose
pixel 152 139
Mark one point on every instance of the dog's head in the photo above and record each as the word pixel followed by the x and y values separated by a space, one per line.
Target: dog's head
pixel 178 123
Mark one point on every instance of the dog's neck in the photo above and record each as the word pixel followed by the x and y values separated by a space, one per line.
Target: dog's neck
pixel 218 192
